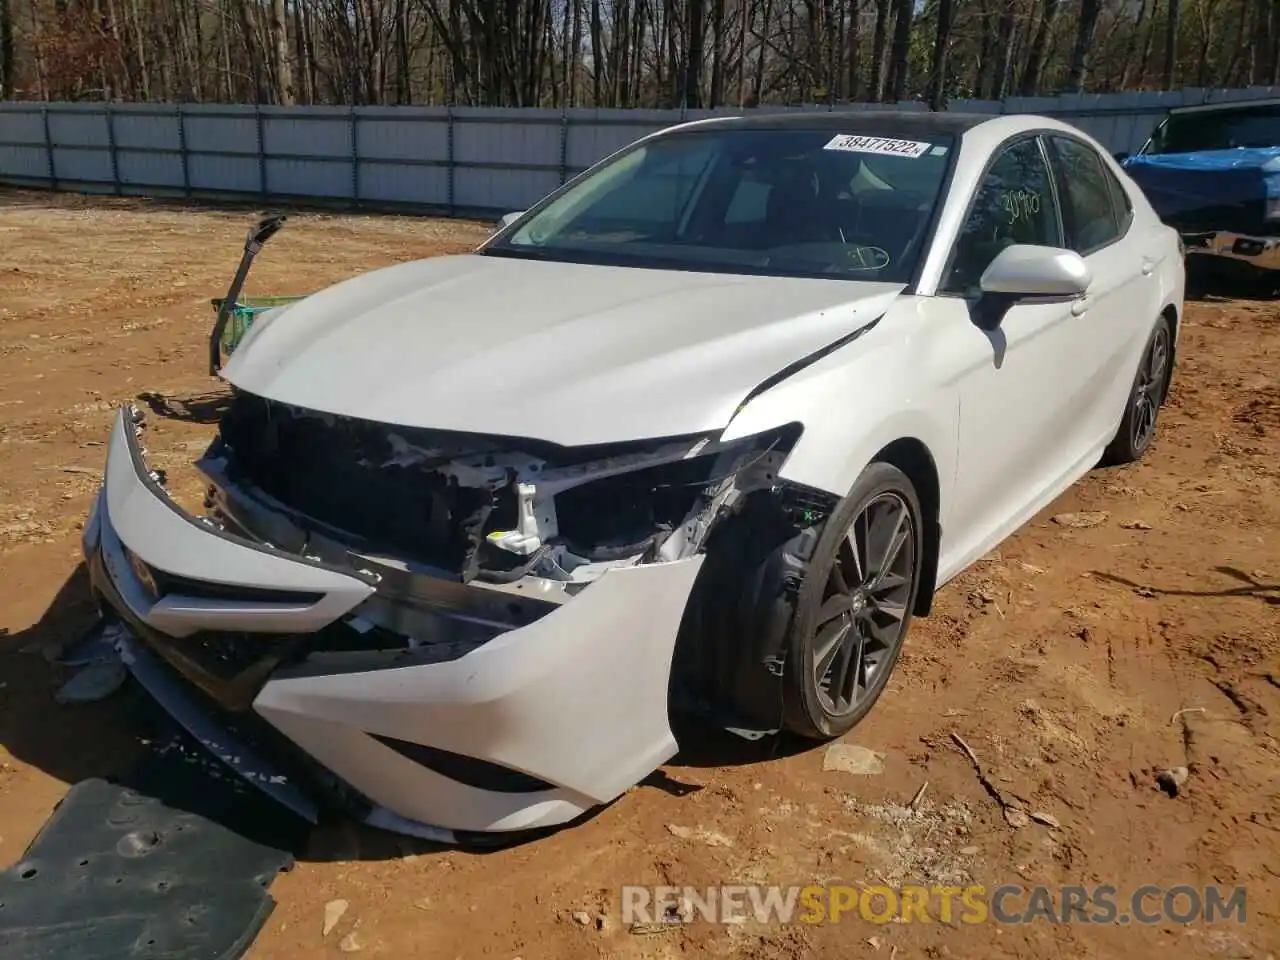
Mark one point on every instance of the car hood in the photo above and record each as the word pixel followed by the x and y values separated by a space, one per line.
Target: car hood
pixel 1178 182
pixel 562 352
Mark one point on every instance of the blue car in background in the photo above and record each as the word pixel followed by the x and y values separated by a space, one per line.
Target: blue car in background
pixel 1213 173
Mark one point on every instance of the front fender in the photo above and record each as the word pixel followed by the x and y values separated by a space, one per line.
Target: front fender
pixel 854 403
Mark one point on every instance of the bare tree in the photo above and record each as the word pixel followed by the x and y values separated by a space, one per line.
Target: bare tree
pixel 941 41
pixel 1089 10
pixel 1171 43
pixel 624 53
pixel 7 66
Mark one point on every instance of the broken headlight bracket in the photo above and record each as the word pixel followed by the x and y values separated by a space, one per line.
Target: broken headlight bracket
pixel 657 504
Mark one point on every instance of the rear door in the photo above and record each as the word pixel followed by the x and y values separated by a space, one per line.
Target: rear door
pixel 1123 299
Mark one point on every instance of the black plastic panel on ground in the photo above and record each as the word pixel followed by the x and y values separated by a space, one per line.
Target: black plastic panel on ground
pixel 119 873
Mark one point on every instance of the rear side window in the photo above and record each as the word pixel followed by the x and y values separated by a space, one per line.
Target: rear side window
pixel 1092 214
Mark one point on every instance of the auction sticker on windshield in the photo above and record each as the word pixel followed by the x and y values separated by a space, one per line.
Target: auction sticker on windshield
pixel 882 145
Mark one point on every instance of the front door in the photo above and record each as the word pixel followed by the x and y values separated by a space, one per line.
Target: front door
pixel 1018 385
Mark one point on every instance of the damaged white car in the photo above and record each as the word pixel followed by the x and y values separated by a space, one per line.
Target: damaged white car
pixel 706 428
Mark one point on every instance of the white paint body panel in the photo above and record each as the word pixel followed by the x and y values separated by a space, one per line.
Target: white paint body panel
pixel 563 352
pixel 577 698
pixel 578 354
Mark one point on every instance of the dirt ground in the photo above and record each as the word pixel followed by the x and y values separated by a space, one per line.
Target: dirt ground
pixel 1076 662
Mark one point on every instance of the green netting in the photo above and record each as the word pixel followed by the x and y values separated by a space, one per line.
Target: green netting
pixel 243 314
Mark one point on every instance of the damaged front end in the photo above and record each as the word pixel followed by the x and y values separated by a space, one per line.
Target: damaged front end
pixel 468 632
pixel 471 509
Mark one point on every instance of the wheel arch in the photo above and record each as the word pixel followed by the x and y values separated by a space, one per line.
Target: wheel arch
pixel 913 457
pixel 1170 313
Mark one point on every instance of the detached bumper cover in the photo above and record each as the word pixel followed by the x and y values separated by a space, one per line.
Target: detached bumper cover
pixel 573 705
pixel 1262 252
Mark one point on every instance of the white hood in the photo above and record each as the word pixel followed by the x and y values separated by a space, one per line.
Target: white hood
pixel 567 353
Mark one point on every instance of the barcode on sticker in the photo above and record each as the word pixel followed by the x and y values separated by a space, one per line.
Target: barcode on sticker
pixel 882 145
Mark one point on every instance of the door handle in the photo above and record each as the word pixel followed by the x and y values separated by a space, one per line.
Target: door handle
pixel 1148 266
pixel 1080 306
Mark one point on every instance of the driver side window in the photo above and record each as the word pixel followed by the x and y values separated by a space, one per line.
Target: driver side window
pixel 1014 204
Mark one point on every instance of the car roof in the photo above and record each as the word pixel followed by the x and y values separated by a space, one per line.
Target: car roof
pixel 1227 105
pixel 877 123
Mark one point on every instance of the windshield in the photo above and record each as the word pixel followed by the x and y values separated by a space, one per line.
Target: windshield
pixel 1189 132
pixel 794 202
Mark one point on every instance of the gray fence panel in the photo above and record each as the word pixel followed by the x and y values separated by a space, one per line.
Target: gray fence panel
pixel 24 162
pixel 501 190
pixel 507 137
pixel 21 126
pixel 587 142
pixel 224 174
pixel 976 106
pixel 83 165
pixel 475 158
pixel 310 178
pixel 78 127
pixel 147 131
pixel 397 183
pixel 308 134
pixel 412 138
pixel 222 132
pixel 137 169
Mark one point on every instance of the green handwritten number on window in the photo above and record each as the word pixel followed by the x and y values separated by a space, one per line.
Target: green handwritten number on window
pixel 1020 205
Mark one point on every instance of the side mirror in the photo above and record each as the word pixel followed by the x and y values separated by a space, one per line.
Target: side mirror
pixel 509 218
pixel 1027 271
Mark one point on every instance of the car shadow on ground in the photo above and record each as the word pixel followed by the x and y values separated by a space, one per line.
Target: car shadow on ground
pixel 1230 280
pixel 69 743
pixel 115 738
pixel 125 739
pixel 206 408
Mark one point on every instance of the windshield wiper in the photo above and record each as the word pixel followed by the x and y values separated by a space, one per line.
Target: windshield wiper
pixel 519 253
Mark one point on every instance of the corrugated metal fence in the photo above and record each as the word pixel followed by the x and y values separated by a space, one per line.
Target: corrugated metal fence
pixel 453 159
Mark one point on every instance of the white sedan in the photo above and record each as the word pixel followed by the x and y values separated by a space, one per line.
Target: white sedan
pixel 704 428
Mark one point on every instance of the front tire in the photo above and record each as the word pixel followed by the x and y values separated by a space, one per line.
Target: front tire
pixel 1142 406
pixel 854 605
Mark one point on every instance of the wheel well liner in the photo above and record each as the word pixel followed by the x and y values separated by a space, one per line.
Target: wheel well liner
pixel 1171 313
pixel 730 649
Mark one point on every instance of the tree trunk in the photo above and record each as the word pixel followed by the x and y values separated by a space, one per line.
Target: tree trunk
pixel 765 23
pixel 878 48
pixel 7 71
pixel 1131 48
pixel 280 41
pixel 1035 55
pixel 693 57
pixel 854 39
pixel 717 54
pixel 941 41
pixel 1171 43
pixel 597 54
pixel 901 52
pixel 1004 51
pixel 1265 26
pixel 1089 10
pixel 576 53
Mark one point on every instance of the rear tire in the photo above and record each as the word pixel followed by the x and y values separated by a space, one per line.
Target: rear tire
pixel 854 607
pixel 1142 406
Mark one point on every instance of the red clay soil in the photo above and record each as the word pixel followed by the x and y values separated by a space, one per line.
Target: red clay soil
pixel 1076 662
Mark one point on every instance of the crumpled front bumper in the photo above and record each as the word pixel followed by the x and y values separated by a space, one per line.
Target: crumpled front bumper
pixel 1261 252
pixel 573 706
